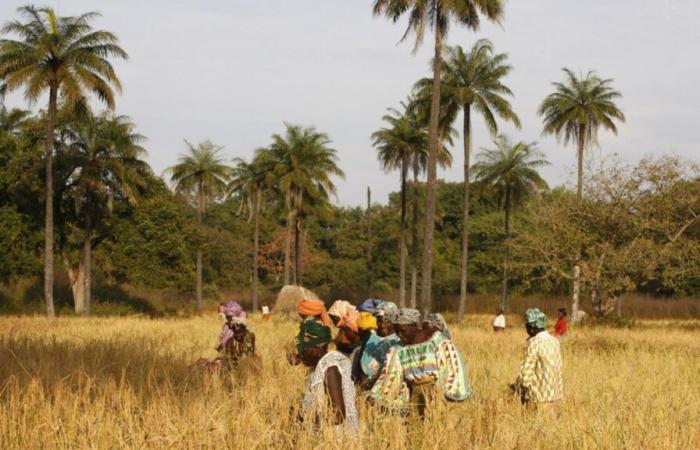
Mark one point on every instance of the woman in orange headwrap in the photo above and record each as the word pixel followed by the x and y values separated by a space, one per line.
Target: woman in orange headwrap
pixel 310 310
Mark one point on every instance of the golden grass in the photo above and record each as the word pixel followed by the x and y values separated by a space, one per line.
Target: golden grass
pixel 125 383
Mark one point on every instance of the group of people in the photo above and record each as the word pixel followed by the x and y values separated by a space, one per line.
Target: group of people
pixel 391 357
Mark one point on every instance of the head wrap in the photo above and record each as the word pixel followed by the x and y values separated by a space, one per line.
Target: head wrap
pixel 383 308
pixel 366 321
pixel 233 309
pixel 536 318
pixel 346 313
pixel 313 308
pixel 369 305
pixel 311 334
pixel 406 316
pixel 436 320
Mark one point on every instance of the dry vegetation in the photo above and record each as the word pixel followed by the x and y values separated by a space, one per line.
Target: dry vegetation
pixel 125 382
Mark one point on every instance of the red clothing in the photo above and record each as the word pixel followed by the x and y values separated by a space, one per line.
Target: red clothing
pixel 561 327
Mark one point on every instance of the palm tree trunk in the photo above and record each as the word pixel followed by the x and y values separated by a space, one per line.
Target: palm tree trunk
pixel 297 241
pixel 402 239
pixel 257 198
pixel 200 213
pixel 506 252
pixel 431 184
pixel 414 234
pixel 368 218
pixel 76 277
pixel 87 251
pixel 48 220
pixel 288 236
pixel 465 214
pixel 579 197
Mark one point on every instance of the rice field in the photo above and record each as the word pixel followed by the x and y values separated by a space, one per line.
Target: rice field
pixel 126 383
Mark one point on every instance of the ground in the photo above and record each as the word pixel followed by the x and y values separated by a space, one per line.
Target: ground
pixel 126 383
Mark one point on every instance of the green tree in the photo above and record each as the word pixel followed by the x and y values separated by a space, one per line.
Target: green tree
pixel 511 171
pixel 574 112
pixel 201 176
pixel 65 56
pixel 106 154
pixel 302 166
pixel 473 82
pixel 438 15
pixel 249 181
pixel 397 145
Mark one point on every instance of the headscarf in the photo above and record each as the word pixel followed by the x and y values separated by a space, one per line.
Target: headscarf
pixel 536 318
pixel 312 333
pixel 346 313
pixel 437 321
pixel 313 308
pixel 366 321
pixel 406 316
pixel 383 308
pixel 369 305
pixel 233 309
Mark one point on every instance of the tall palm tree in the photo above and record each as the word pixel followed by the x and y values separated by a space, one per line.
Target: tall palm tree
pixel 65 56
pixel 574 112
pixel 302 166
pixel 435 14
pixel 248 179
pixel 396 146
pixel 511 172
pixel 472 82
pixel 107 155
pixel 201 176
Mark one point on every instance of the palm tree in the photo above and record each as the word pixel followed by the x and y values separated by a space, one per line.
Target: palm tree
pixel 107 157
pixel 248 179
pixel 511 172
pixel 473 81
pixel 302 165
pixel 201 176
pixel 574 112
pixel 396 146
pixel 65 56
pixel 436 14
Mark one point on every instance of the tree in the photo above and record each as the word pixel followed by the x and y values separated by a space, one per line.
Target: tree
pixel 436 14
pixel 303 164
pixel 637 228
pixel 105 154
pixel 65 56
pixel 396 146
pixel 511 171
pixel 248 179
pixel 575 111
pixel 472 81
pixel 201 176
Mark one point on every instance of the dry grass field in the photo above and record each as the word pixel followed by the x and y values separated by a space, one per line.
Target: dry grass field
pixel 125 383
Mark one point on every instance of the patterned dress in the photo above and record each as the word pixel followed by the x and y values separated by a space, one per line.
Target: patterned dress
pixel 375 353
pixel 315 396
pixel 234 349
pixel 452 372
pixel 540 378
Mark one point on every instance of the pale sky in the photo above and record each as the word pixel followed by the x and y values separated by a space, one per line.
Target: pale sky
pixel 234 70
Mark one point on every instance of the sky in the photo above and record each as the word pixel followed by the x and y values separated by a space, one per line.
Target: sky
pixel 233 71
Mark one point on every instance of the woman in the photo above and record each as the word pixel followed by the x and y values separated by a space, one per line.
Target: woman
pixel 310 310
pixel 378 345
pixel 367 327
pixel 408 380
pixel 344 316
pixel 236 340
pixel 329 383
pixel 562 326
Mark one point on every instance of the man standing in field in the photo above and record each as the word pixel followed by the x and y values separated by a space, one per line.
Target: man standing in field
pixel 540 380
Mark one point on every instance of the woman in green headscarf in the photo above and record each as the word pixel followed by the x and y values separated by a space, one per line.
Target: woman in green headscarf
pixel 330 380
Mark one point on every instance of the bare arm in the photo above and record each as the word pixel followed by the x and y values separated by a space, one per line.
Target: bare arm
pixel 334 388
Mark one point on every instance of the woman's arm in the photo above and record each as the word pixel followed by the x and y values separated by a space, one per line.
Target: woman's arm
pixel 334 388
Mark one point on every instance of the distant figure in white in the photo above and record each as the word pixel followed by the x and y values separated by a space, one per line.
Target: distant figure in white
pixel 499 323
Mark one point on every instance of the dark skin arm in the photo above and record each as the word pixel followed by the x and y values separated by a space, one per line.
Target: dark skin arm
pixel 334 388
